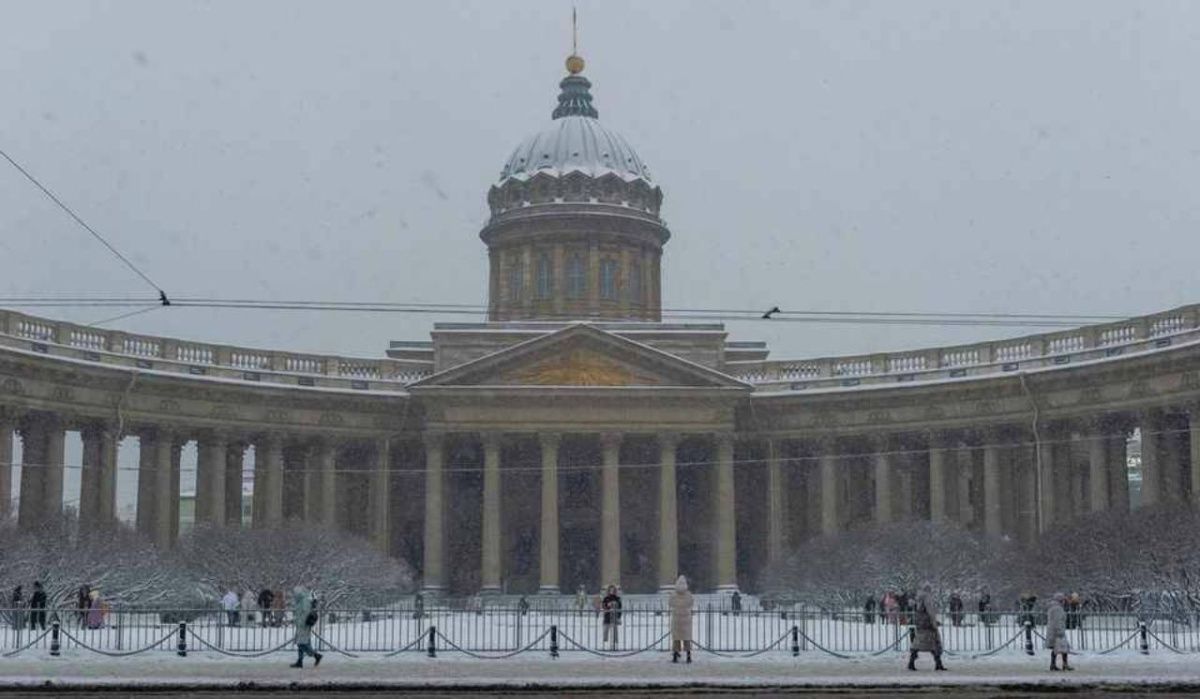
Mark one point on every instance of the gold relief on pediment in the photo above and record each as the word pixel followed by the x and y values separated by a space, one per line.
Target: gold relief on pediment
pixel 579 368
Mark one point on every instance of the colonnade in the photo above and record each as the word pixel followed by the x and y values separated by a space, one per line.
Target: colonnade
pixel 760 495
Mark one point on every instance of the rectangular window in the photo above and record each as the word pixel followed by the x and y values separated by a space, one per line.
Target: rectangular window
pixel 545 277
pixel 635 281
pixel 576 277
pixel 608 279
pixel 516 279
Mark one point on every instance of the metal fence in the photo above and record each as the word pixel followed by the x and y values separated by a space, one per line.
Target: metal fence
pixel 511 629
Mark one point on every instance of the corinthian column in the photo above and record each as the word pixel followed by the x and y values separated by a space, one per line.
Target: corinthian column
pixel 1151 463
pixel 668 513
pixel 268 481
pixel 938 452
pixel 993 515
pixel 211 455
pixel 776 505
pixel 434 574
pixel 830 495
pixel 52 504
pixel 883 480
pixel 490 572
pixel 726 573
pixel 326 466
pixel 381 496
pixel 163 497
pixel 1097 449
pixel 7 427
pixel 549 536
pixel 610 510
pixel 33 471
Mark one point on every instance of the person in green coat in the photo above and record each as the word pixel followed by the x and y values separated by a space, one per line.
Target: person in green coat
pixel 302 607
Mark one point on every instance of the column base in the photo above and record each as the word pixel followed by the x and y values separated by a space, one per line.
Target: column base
pixel 549 590
pixel 433 590
pixel 490 590
pixel 730 589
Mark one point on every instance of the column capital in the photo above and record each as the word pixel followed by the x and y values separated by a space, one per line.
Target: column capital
pixel 724 438
pixel 491 440
pixel 611 440
pixel 549 440
pixel 668 439
pixel 433 440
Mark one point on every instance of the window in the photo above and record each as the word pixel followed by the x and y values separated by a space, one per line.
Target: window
pixel 545 277
pixel 576 277
pixel 516 279
pixel 635 281
pixel 608 279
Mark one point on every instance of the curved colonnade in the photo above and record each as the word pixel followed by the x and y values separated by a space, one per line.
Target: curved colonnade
pixel 715 472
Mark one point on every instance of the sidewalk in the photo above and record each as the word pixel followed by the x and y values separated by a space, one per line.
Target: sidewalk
pixel 198 670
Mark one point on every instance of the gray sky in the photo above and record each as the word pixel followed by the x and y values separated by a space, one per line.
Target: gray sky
pixel 933 156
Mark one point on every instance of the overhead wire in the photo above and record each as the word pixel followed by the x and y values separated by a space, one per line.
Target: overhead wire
pixel 95 234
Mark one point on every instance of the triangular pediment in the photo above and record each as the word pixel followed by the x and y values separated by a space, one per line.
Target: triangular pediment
pixel 581 356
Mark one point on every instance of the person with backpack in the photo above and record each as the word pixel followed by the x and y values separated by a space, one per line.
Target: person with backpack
pixel 304 616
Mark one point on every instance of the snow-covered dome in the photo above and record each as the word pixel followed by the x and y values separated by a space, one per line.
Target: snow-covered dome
pixel 575 140
pixel 575 143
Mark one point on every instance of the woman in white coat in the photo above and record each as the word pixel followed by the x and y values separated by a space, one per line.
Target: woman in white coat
pixel 681 620
pixel 1056 632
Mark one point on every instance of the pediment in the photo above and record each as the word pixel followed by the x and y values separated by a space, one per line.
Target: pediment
pixel 581 356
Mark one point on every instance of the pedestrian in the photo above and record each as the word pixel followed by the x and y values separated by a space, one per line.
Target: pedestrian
pixel 927 637
pixel 248 608
pixel 1027 600
pixel 581 599
pixel 83 602
pixel 265 599
pixel 278 608
pixel 37 607
pixel 869 610
pixel 95 612
pixel 418 605
pixel 230 604
pixel 985 607
pixel 1056 632
pixel 681 620
pixel 891 607
pixel 902 606
pixel 17 604
pixel 611 605
pixel 523 605
pixel 1073 606
pixel 304 617
pixel 735 603
pixel 956 609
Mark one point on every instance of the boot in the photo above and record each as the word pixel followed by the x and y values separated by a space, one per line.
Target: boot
pixel 912 660
pixel 674 656
pixel 937 660
pixel 296 664
pixel 1053 662
pixel 1066 666
pixel 689 656
pixel 317 659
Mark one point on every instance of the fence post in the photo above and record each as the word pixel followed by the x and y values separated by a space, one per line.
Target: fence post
pixel 431 650
pixel 795 641
pixel 1144 643
pixel 54 642
pixel 554 640
pixel 181 646
pixel 1028 638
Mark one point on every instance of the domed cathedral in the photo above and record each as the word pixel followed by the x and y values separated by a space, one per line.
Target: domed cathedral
pixel 575 231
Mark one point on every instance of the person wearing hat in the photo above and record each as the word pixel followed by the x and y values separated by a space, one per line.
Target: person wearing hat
pixel 304 618
pixel 681 620
pixel 927 638
pixel 1056 632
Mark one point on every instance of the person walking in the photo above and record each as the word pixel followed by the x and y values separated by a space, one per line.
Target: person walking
pixel 927 637
pixel 17 604
pixel 735 602
pixel 611 606
pixel 230 604
pixel 681 620
pixel 37 607
pixel 1056 632
pixel 304 617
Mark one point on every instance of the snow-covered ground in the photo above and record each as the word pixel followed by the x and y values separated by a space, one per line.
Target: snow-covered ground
pixel 76 667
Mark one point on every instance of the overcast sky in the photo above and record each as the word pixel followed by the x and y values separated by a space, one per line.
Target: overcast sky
pixel 934 156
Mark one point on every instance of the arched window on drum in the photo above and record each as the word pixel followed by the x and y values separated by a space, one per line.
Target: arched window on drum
pixel 545 276
pixel 608 279
pixel 516 279
pixel 635 281
pixel 576 276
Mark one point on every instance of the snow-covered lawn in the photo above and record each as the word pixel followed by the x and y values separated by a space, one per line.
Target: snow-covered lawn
pixel 77 667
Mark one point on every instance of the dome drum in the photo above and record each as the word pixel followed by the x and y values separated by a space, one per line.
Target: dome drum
pixel 575 186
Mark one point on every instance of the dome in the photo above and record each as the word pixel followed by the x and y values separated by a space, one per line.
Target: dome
pixel 575 143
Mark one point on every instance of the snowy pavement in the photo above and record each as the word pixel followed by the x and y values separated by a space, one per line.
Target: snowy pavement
pixel 198 670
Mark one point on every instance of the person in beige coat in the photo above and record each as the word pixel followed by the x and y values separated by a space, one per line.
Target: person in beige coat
pixel 681 620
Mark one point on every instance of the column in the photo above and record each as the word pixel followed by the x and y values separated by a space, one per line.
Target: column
pixel 1151 424
pixel 89 478
pixel 106 499
pixel 381 496
pixel 1194 455
pixel 268 480
pixel 211 459
pixel 52 502
pixel 176 454
pixel 1097 451
pixel 937 478
pixel 235 455
pixel 489 571
pixel 1118 469
pixel 993 515
pixel 326 458
pixel 7 427
pixel 777 516
pixel 1171 461
pixel 726 563
pixel 610 509
pixel 549 525
pixel 668 512
pixel 33 460
pixel 830 495
pixel 1044 474
pixel 145 484
pixel 163 460
pixel 883 480
pixel 434 574
pixel 964 463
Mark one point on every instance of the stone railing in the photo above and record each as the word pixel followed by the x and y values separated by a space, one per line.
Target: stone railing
pixel 170 355
pixel 1087 343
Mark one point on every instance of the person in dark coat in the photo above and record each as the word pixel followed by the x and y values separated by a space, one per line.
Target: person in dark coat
pixel 956 609
pixel 17 603
pixel 902 605
pixel 83 602
pixel 266 599
pixel 1027 601
pixel 37 607
pixel 985 607
pixel 735 602
pixel 611 606
pixel 869 611
pixel 928 638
